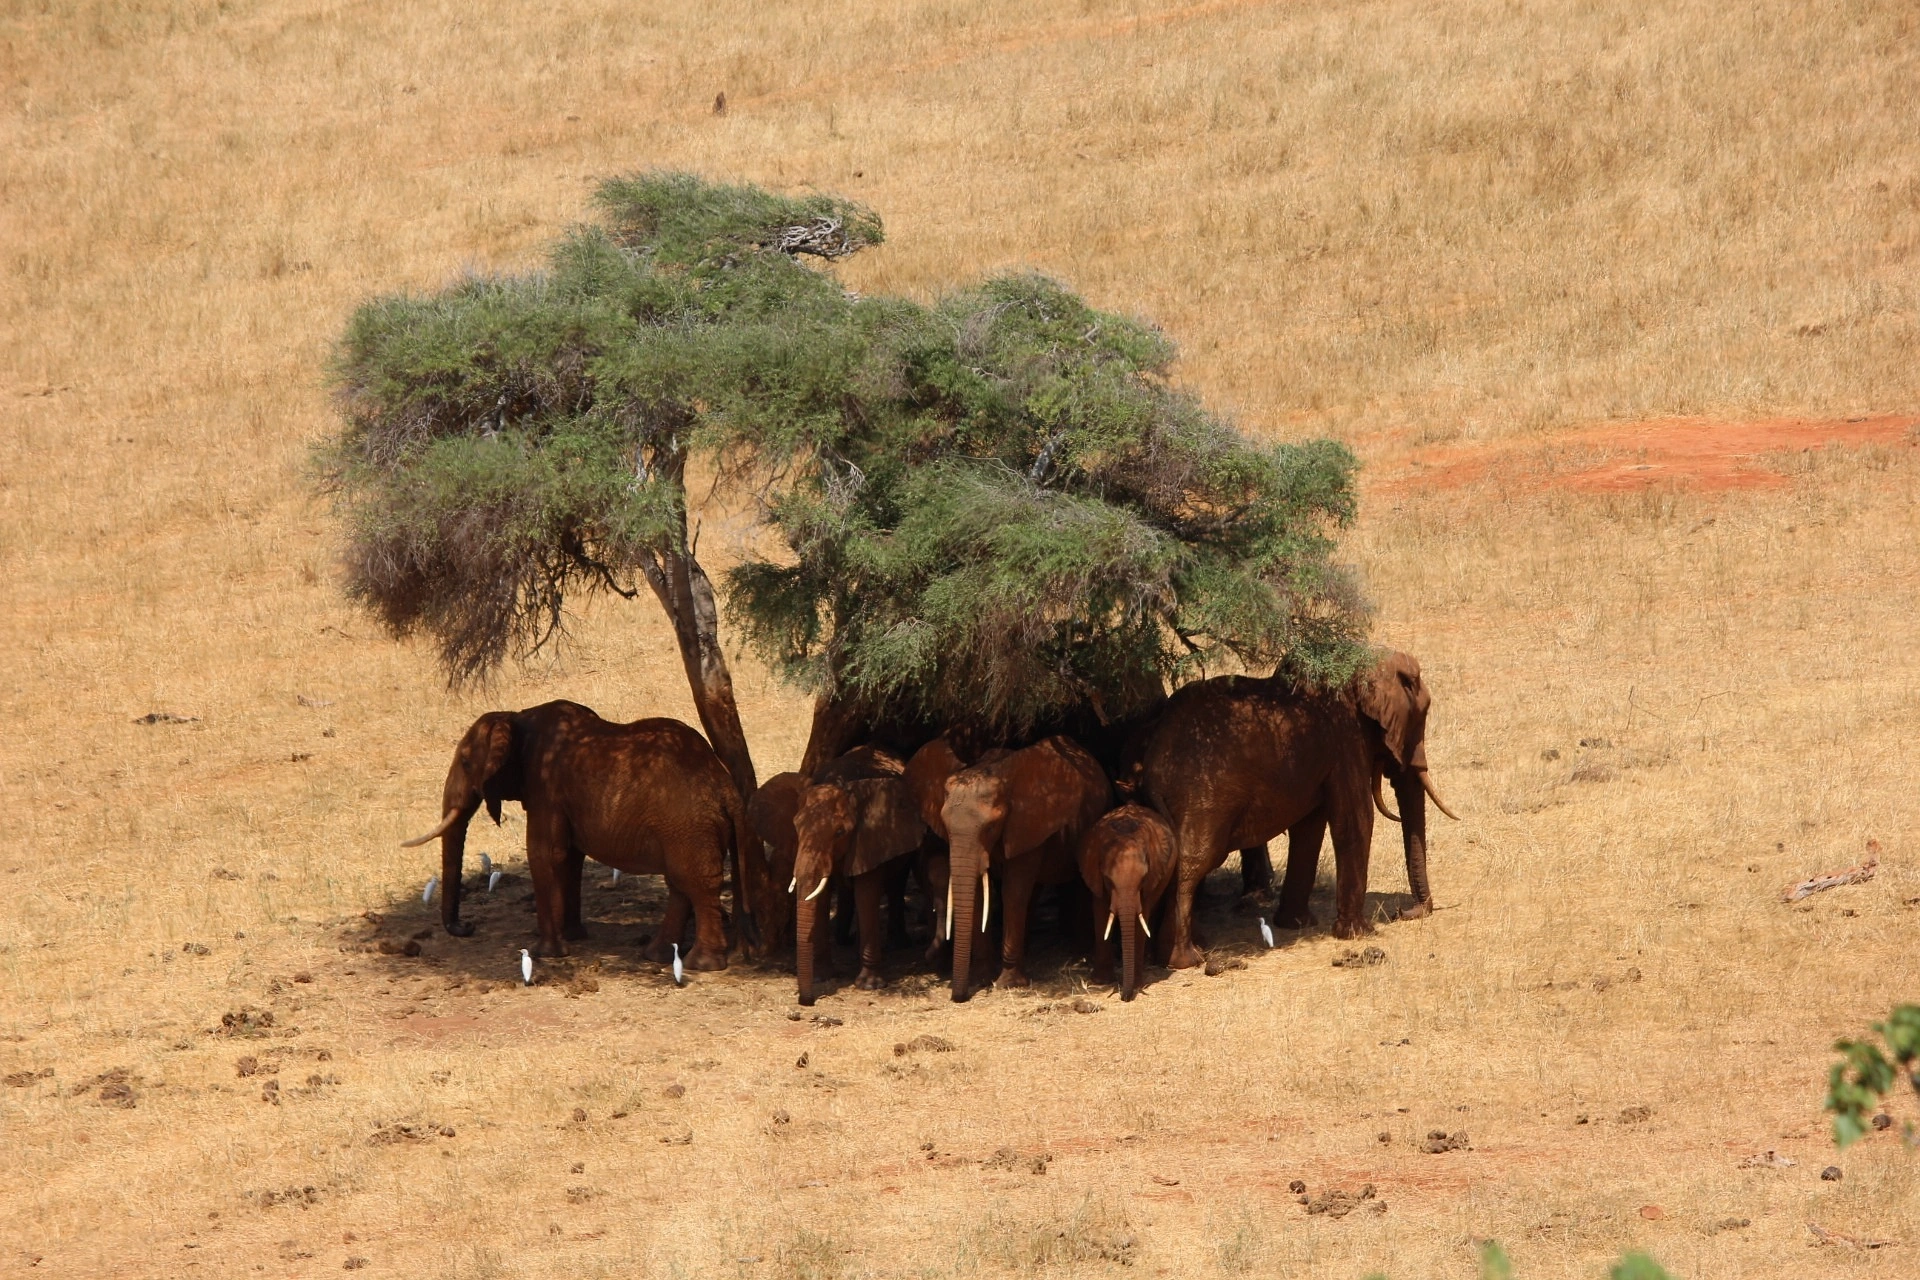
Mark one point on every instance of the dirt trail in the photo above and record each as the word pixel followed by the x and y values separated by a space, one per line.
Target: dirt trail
pixel 1702 454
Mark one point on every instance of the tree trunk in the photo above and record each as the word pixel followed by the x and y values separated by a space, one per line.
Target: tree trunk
pixel 837 729
pixel 686 593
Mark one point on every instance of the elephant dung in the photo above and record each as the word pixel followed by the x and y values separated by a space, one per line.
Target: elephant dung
pixel 1217 967
pixel 929 1044
pixel 1351 959
pixel 1338 1203
pixel 1439 1141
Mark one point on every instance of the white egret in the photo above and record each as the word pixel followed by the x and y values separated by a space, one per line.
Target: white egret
pixel 616 875
pixel 486 865
pixel 1266 933
pixel 493 882
pixel 526 967
pixel 426 895
pixel 679 973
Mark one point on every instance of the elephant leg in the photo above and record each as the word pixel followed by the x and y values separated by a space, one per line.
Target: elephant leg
pixel 935 870
pixel 1304 839
pixel 673 925
pixel 1256 870
pixel 843 911
pixel 1016 886
pixel 571 925
pixel 868 890
pixel 709 952
pixel 546 864
pixel 1352 824
pixel 1180 953
pixel 1102 940
pixel 896 881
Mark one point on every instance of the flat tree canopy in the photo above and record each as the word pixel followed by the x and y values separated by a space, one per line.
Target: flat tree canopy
pixel 996 508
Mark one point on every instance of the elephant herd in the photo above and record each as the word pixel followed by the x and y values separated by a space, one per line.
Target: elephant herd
pixel 1130 827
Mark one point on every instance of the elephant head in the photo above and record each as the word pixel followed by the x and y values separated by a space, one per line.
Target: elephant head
pixel 771 813
pixel 1394 699
pixel 846 828
pixel 485 769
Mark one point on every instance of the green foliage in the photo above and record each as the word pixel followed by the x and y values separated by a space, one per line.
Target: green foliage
pixel 1494 1264
pixel 996 509
pixel 1031 519
pixel 1865 1074
pixel 1638 1266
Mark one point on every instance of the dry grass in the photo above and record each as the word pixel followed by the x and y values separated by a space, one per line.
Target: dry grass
pixel 1393 222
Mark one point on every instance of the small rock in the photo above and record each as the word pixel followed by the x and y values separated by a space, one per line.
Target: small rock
pixel 674 1091
pixel 1881 1121
pixel 800 1063
pixel 303 976
pixel 684 1138
pixel 118 1093
pixel 794 1015
pixel 1217 967
pixel 195 948
pixel 828 1020
pixel 353 1264
pixel 1297 1187
pixel 1385 1137
pixel 780 1117
pixel 270 1092
pixel 579 1115
pixel 1652 1212
pixel 1083 1005
pixel 1038 1164
pixel 579 1166
pixel 1831 1173
pixel 446 1130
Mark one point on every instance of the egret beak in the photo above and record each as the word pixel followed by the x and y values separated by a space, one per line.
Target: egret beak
pixel 818 889
pixel 453 816
pixel 1109 929
pixel 1143 925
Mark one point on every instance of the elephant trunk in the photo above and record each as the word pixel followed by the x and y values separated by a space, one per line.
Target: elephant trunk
pixel 963 888
pixel 806 920
pixel 453 853
pixel 1126 908
pixel 1412 797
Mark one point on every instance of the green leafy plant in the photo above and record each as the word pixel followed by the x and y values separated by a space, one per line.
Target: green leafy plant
pixel 1865 1074
pixel 1495 1265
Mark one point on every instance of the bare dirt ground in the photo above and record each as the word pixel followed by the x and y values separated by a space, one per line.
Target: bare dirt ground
pixel 1512 252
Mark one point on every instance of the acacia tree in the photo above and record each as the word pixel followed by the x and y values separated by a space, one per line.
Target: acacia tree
pixel 996 510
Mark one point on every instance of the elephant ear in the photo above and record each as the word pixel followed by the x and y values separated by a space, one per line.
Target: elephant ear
pixel 1393 696
pixel 493 749
pixel 888 827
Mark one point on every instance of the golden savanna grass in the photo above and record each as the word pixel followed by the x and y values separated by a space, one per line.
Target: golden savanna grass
pixel 1400 224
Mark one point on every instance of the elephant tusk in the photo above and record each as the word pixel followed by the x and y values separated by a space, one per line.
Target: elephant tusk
pixel 793 884
pixel 1434 796
pixel 1381 804
pixel 986 900
pixel 818 889
pixel 453 816
pixel 1109 929
pixel 1143 925
pixel 949 908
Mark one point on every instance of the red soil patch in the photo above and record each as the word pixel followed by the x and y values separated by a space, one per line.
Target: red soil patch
pixel 1700 454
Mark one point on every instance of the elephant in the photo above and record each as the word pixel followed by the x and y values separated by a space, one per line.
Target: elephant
pixel 1020 814
pixel 1234 761
pixel 647 797
pixel 1127 860
pixel 856 820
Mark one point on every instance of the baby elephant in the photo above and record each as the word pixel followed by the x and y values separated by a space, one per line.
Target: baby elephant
pixel 1127 859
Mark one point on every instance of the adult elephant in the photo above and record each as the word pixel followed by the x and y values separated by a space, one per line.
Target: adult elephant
pixel 649 797
pixel 856 820
pixel 1233 762
pixel 1020 814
